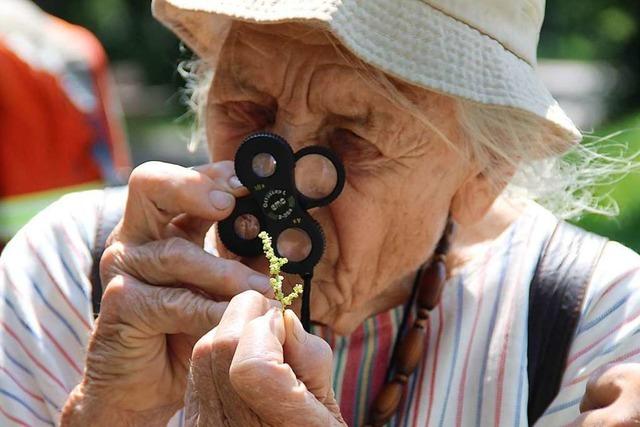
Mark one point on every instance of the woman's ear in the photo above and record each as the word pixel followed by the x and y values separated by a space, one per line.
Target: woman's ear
pixel 477 193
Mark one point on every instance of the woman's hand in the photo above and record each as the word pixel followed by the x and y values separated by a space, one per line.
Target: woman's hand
pixel 163 292
pixel 259 367
pixel 612 397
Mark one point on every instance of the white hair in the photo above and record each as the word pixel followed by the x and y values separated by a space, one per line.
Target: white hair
pixel 198 77
pixel 567 182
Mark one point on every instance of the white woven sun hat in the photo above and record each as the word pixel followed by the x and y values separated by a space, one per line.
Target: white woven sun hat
pixel 479 50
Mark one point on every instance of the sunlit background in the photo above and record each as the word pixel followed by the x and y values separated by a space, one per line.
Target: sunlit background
pixel 589 57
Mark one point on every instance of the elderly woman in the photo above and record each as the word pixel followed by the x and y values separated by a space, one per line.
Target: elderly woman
pixel 444 297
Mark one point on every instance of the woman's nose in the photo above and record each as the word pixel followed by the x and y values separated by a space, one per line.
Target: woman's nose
pixel 299 129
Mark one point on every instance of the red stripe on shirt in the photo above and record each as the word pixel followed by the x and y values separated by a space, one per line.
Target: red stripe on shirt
pixel 616 282
pixel 381 358
pixel 463 379
pixel 72 245
pixel 36 361
pixel 350 381
pixel 503 362
pixel 14 419
pixel 435 361
pixel 65 298
pixel 68 358
pixel 46 331
pixel 626 321
pixel 619 359
pixel 23 388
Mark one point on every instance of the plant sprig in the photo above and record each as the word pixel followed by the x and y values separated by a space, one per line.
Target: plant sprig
pixel 275 264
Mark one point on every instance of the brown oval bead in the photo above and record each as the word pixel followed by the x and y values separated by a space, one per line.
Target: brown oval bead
pixel 423 313
pixel 421 322
pixel 432 284
pixel 386 404
pixel 411 351
pixel 400 378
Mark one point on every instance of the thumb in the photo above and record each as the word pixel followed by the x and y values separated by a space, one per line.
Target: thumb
pixel 309 356
pixel 603 387
pixel 277 390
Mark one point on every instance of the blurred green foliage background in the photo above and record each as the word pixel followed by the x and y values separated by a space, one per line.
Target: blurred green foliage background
pixel 608 31
pixel 127 30
pixel 582 30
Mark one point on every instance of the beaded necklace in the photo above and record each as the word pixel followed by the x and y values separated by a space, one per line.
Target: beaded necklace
pixel 408 349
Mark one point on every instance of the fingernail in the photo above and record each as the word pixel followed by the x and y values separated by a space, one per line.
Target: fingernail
pixel 234 182
pixel 298 331
pixel 260 283
pixel 221 200
pixel 274 316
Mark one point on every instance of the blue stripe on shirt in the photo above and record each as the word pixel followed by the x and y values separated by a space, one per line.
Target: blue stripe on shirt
pixel 56 312
pixel 456 345
pixel 61 249
pixel 25 405
pixel 523 373
pixel 492 325
pixel 18 364
pixel 562 406
pixel 20 319
pixel 83 291
pixel 604 315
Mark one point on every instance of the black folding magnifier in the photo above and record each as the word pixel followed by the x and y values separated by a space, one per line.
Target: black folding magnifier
pixel 283 185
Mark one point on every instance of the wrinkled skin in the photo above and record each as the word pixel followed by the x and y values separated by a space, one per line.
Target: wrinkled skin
pixel 611 397
pixel 402 178
pixel 170 309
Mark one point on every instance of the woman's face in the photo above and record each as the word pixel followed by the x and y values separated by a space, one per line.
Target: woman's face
pixel 400 176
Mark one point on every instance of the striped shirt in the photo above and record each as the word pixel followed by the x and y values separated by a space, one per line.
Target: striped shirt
pixel 474 369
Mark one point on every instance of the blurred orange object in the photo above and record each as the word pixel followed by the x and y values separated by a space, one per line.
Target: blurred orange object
pixel 59 126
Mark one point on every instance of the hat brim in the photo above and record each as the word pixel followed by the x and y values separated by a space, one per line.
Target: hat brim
pixel 407 39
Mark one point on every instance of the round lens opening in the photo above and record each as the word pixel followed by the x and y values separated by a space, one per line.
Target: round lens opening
pixel 294 244
pixel 246 227
pixel 316 176
pixel 263 165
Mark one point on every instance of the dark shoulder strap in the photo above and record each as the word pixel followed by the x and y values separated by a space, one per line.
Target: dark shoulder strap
pixel 109 214
pixel 555 302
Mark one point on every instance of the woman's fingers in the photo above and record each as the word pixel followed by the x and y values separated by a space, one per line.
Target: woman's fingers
pixel 157 310
pixel 620 414
pixel 611 397
pixel 158 192
pixel 211 361
pixel 603 388
pixel 223 173
pixel 610 384
pixel 138 354
pixel 179 261
pixel 283 393
pixel 309 356
pixel 239 374
pixel 189 227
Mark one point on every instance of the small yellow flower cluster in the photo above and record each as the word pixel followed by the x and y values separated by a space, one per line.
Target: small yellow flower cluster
pixel 275 264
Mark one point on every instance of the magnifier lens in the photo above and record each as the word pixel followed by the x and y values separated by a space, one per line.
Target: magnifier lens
pixel 246 227
pixel 263 165
pixel 316 176
pixel 294 244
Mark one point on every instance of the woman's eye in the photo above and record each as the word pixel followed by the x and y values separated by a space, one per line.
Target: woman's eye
pixel 248 114
pixel 354 149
